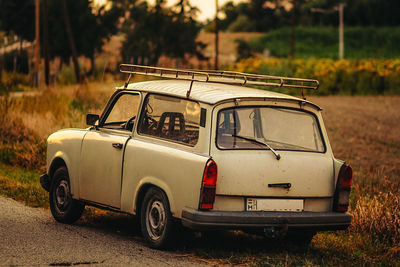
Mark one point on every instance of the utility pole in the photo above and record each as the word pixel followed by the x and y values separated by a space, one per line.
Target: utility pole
pixel 46 43
pixel 216 35
pixel 340 9
pixel 341 38
pixel 37 44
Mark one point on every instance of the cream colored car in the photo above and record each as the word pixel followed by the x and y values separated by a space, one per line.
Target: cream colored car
pixel 203 151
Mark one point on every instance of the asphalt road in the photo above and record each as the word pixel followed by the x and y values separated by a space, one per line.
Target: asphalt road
pixel 30 236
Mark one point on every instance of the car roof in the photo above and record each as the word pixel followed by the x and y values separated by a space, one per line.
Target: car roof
pixel 208 92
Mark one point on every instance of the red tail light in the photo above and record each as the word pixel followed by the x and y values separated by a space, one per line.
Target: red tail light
pixel 345 177
pixel 207 194
pixel 342 193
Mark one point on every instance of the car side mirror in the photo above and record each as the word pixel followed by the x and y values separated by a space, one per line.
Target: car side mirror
pixel 91 119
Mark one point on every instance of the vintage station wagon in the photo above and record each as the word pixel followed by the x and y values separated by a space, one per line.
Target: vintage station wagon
pixel 201 150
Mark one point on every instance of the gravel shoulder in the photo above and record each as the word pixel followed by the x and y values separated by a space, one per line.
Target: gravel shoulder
pixel 30 236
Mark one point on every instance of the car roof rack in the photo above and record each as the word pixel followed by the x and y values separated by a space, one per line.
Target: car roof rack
pixel 219 76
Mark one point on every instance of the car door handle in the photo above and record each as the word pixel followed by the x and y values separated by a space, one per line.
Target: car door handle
pixel 117 145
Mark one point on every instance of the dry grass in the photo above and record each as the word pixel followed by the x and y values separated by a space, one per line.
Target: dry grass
pixel 109 58
pixel 364 132
pixel 19 144
pixel 378 215
pixel 227 44
pixel 26 122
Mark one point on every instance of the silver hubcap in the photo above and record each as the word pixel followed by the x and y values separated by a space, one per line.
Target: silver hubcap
pixel 156 219
pixel 62 195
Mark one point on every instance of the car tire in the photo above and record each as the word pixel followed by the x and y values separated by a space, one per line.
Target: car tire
pixel 157 224
pixel 63 207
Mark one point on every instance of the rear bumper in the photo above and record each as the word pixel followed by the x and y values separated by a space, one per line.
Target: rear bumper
pixel 209 220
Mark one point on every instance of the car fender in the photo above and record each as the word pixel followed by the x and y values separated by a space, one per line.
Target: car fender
pixel 66 145
pixel 59 155
pixel 337 164
pixel 154 181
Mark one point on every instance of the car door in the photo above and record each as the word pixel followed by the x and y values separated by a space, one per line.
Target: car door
pixel 102 152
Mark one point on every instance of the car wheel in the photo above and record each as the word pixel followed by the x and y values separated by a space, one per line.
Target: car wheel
pixel 156 220
pixel 63 207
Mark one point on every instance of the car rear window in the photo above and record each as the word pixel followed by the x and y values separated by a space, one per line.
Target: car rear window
pixel 259 127
pixel 170 118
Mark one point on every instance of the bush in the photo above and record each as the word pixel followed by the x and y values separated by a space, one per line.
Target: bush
pixel 66 75
pixel 7 154
pixel 27 121
pixel 243 49
pixel 12 81
pixel 19 145
pixel 345 77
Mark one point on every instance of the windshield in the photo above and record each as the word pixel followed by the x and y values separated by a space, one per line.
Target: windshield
pixel 268 127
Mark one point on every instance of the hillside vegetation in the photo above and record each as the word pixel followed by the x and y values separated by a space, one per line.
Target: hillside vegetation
pixel 323 42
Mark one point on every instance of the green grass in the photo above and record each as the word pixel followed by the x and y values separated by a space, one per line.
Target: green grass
pixel 322 42
pixel 22 185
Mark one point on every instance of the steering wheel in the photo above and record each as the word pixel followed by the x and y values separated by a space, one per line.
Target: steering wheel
pixel 128 125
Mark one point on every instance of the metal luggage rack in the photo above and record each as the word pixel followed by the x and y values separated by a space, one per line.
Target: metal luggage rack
pixel 217 76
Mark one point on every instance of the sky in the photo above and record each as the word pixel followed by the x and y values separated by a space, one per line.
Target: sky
pixel 206 7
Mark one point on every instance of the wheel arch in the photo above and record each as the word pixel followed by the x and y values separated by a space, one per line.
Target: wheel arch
pixel 140 197
pixel 142 190
pixel 56 163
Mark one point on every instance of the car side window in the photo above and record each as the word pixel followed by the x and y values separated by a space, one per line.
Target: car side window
pixel 123 112
pixel 170 118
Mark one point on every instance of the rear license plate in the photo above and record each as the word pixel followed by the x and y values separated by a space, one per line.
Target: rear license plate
pixel 259 204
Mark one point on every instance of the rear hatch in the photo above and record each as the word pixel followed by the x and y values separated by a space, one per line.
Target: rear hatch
pixel 271 151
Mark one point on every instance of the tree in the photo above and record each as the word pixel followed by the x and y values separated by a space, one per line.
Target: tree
pixel 243 49
pixel 155 31
pixel 295 12
pixel 67 20
pixel 264 15
pixel 104 27
pixel 357 13
pixel 231 14
pixel 89 29
pixel 71 40
pixel 18 17
pixel 255 16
